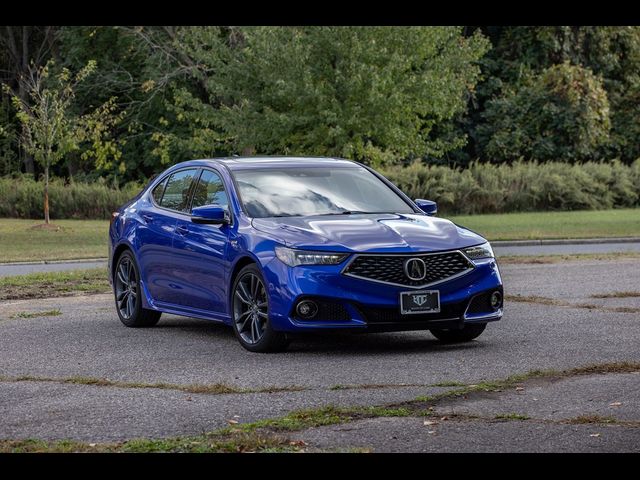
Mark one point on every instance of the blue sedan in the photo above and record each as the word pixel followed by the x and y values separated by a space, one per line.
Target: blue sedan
pixel 275 246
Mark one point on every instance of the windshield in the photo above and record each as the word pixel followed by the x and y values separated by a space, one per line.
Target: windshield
pixel 300 191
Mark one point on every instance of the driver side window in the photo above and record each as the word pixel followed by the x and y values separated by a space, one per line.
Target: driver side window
pixel 210 191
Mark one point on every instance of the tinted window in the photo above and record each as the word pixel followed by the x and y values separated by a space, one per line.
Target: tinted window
pixel 316 191
pixel 210 191
pixel 176 194
pixel 158 191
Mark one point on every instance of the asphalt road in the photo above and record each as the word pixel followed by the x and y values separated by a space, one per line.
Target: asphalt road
pixel 7 270
pixel 88 340
pixel 567 249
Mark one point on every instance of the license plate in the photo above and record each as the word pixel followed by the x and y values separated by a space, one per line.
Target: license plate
pixel 427 301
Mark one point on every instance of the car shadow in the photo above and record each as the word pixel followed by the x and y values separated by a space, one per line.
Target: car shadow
pixel 356 343
pixel 374 343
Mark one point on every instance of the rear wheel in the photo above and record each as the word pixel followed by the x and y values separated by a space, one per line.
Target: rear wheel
pixel 466 334
pixel 251 313
pixel 126 287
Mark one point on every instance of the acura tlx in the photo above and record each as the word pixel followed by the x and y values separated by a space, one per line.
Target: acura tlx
pixel 273 246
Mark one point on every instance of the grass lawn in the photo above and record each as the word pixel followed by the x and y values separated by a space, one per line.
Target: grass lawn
pixel 575 257
pixel 75 239
pixel 54 284
pixel 88 238
pixel 541 225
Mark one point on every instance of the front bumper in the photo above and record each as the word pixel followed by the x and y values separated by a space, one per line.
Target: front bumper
pixel 359 304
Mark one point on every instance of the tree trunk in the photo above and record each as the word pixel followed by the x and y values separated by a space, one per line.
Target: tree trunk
pixel 29 166
pixel 46 194
pixel 72 166
pixel 22 93
pixel 27 159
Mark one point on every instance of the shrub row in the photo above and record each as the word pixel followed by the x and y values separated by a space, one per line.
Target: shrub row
pixel 480 188
pixel 24 197
pixel 522 186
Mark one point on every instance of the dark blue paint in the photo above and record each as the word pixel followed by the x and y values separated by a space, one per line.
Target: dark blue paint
pixel 186 267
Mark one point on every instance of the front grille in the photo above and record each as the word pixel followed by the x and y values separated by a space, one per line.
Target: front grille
pixel 373 315
pixel 390 268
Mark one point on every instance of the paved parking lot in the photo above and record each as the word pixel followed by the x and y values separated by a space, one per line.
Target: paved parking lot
pixel 559 326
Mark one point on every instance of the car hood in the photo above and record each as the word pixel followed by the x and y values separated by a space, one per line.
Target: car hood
pixel 368 232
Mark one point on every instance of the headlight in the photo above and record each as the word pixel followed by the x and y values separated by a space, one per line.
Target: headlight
pixel 305 257
pixel 479 251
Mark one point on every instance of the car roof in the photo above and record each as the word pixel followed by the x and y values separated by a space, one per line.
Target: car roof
pixel 242 163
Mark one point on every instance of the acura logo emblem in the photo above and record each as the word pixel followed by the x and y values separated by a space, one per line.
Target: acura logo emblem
pixel 415 269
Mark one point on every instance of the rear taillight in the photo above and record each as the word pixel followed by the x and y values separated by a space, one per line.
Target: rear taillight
pixel 114 215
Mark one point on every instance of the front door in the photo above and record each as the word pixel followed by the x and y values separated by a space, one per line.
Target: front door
pixel 201 250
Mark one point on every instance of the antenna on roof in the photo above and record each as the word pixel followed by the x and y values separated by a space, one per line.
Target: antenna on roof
pixel 235 155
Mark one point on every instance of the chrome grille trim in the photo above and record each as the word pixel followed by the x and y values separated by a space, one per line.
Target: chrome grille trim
pixel 408 255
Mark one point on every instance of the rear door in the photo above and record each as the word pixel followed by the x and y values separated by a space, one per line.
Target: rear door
pixel 202 250
pixel 168 202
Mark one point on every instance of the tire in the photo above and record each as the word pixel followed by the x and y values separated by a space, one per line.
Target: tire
pixel 127 293
pixel 250 313
pixel 466 334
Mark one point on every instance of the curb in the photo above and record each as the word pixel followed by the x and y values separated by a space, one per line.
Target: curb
pixel 566 241
pixel 52 262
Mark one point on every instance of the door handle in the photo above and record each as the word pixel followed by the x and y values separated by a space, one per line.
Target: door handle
pixel 182 230
pixel 148 218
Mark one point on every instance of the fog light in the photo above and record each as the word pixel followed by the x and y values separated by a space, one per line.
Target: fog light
pixel 307 309
pixel 496 300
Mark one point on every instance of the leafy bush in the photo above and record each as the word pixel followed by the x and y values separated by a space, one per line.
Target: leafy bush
pixel 23 198
pixel 481 188
pixel 561 113
pixel 522 186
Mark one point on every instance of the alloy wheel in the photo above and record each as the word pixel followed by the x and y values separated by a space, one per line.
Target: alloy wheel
pixel 250 308
pixel 126 288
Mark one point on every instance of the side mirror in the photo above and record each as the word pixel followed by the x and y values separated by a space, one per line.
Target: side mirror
pixel 427 206
pixel 210 214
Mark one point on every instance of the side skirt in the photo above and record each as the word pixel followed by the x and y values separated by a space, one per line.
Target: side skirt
pixel 192 312
pixel 182 310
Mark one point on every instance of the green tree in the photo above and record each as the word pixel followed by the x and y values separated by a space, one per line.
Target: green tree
pixel 610 52
pixel 374 94
pixel 49 129
pixel 9 160
pixel 22 47
pixel 127 70
pixel 560 114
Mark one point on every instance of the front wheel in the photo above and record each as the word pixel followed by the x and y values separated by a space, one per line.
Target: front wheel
pixel 126 287
pixel 466 334
pixel 251 313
